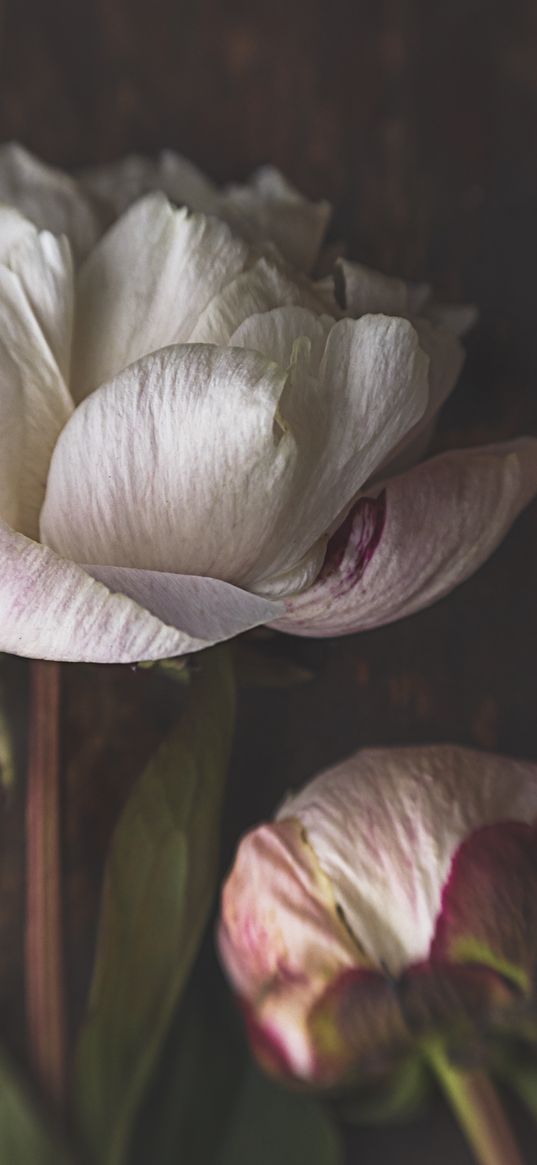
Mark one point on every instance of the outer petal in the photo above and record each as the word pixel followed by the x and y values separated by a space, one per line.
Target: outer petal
pixel 50 199
pixel 489 903
pixel 35 314
pixel 146 285
pixel 385 825
pixel 429 530
pixel 180 464
pixel 52 609
pixel 281 938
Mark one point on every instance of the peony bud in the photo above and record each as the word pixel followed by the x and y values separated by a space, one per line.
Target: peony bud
pixel 392 904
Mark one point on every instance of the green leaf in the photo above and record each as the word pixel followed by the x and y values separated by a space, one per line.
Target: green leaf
pixel 159 885
pixel 24 1137
pixel 272 1125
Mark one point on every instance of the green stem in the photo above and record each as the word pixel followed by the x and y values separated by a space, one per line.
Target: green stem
pixel 476 1104
pixel 43 950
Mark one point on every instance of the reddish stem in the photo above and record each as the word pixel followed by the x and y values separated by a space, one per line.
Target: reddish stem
pixel 44 954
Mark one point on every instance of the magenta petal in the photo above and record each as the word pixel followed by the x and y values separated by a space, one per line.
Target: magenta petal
pixel 427 532
pixel 489 904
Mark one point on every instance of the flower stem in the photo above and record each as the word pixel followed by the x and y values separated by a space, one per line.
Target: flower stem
pixel 476 1104
pixel 43 953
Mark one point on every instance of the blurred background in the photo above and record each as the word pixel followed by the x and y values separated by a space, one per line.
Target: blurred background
pixel 419 122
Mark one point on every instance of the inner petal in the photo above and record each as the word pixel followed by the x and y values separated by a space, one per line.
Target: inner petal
pixel 179 464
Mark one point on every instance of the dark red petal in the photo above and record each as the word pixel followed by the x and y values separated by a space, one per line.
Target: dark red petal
pixel 489 904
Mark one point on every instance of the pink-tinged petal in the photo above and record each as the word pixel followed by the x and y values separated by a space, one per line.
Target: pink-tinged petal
pixel 425 533
pixel 489 903
pixel 281 938
pixel 369 389
pixel 209 609
pixel 52 609
pixel 385 825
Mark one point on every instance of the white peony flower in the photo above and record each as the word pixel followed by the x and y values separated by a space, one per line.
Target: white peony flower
pixel 198 439
pixel 393 898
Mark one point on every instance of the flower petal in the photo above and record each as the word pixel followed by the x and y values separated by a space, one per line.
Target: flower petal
pixel 489 904
pixel 438 524
pixel 271 208
pixel 36 298
pixel 49 198
pixel 446 358
pixel 44 267
pixel 369 390
pixel 179 464
pixel 384 826
pixel 280 936
pixel 53 609
pixel 261 288
pixel 146 284
pixel 120 183
pixel 210 609
pixel 268 208
pixel 364 290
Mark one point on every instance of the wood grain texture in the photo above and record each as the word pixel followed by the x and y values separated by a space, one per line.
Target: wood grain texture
pixel 419 121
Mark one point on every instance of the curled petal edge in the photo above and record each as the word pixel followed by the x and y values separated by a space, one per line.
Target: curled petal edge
pixel 51 608
pixel 424 533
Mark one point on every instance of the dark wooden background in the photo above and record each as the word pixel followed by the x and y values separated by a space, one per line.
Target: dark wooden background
pixel 419 121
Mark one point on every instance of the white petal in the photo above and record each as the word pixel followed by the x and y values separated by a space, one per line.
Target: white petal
pixel 271 208
pixel 370 389
pixel 44 267
pixel 268 208
pixel 436 526
pixel 14 227
pixel 446 358
pixel 385 824
pixel 35 310
pixel 262 287
pixel 145 286
pixel 50 199
pixel 361 289
pixel 275 333
pixel 280 937
pixel 52 609
pixel 179 464
pixel 364 290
